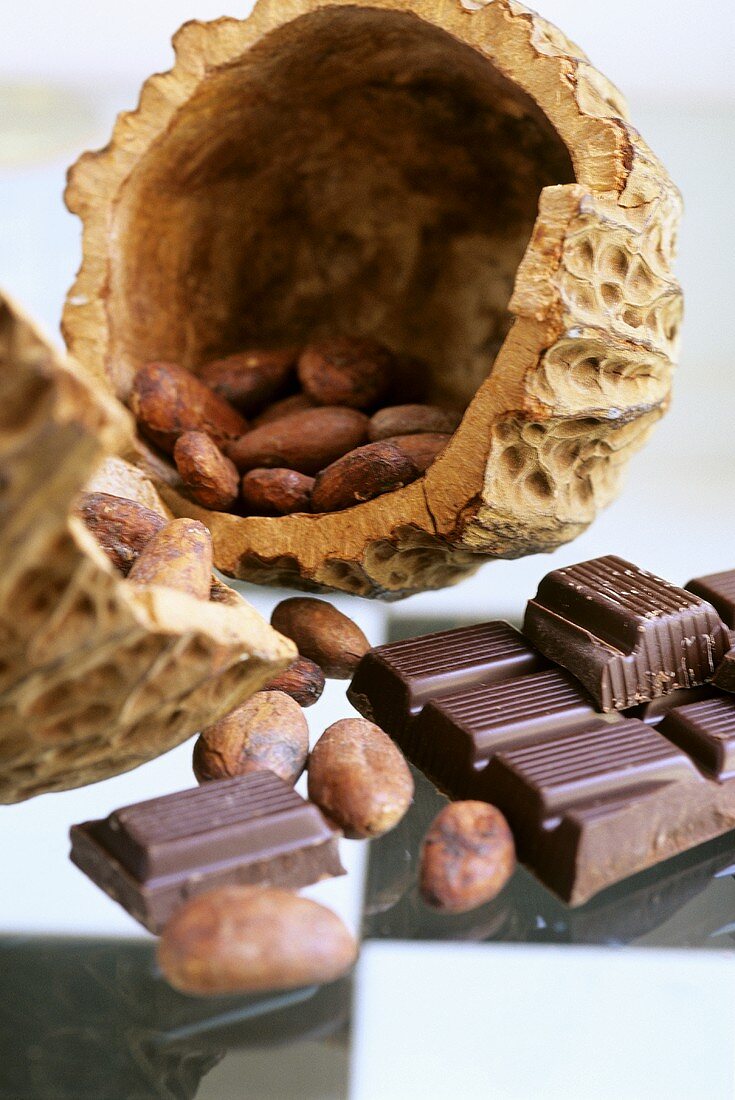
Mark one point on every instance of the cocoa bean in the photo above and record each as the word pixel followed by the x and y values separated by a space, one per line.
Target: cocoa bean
pixel 122 527
pixel 359 778
pixel 321 633
pixel 179 556
pixel 422 449
pixel 211 479
pixel 250 939
pixel 361 475
pixel 398 420
pixel 303 681
pixel 250 379
pixel 268 731
pixel 345 371
pixel 297 402
pixel 467 857
pixel 167 401
pixel 276 492
pixel 305 441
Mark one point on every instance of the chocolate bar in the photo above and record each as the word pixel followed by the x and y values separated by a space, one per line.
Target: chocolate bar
pixel 591 798
pixel 153 856
pixel 626 635
pixel 719 589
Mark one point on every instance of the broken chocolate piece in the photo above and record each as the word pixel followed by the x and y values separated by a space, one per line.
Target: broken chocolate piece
pixel 254 829
pixel 626 635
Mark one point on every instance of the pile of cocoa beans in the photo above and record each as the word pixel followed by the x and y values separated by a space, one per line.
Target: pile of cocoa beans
pixel 270 433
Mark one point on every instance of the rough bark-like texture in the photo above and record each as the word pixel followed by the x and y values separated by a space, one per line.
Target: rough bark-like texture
pixel 96 674
pixel 462 186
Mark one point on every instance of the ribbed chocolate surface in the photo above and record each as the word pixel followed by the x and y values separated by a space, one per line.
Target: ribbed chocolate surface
pixel 706 730
pixel 513 711
pixel 254 816
pixel 466 647
pixel 719 589
pixel 606 762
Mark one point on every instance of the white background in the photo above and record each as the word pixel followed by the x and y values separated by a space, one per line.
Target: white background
pixel 662 48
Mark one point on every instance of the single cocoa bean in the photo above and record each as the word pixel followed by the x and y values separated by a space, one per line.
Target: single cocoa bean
pixel 297 402
pixel 467 857
pixel 303 681
pixel 250 379
pixel 321 633
pixel 276 492
pixel 268 731
pixel 211 479
pixel 359 778
pixel 250 939
pixel 411 419
pixel 361 475
pixel 179 556
pixel 345 371
pixel 168 400
pixel 122 527
pixel 304 441
pixel 422 449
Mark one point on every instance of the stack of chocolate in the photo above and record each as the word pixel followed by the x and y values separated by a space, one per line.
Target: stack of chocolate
pixel 602 732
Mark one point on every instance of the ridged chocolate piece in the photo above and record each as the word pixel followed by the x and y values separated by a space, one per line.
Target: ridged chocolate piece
pixel 719 590
pixel 153 856
pixel 706 731
pixel 591 798
pixel 392 682
pixel 626 635
pixel 455 736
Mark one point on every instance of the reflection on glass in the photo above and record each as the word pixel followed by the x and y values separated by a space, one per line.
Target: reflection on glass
pixel 646 908
pixel 93 1019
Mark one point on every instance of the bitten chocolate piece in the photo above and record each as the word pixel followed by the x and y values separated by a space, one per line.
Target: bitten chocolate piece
pixel 626 635
pixel 591 798
pixel 255 829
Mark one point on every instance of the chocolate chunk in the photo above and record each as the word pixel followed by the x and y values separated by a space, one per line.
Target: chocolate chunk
pixel 455 736
pixel 626 635
pixel 706 731
pixel 255 829
pixel 719 590
pixel 591 799
pixel 392 682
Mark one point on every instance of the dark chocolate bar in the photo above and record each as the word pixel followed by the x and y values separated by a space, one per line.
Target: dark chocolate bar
pixel 153 856
pixel 719 590
pixel 591 799
pixel 626 635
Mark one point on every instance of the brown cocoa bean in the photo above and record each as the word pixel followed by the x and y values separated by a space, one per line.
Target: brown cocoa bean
pixel 359 778
pixel 122 527
pixel 250 379
pixel 411 419
pixel 211 479
pixel 410 378
pixel 250 939
pixel 321 633
pixel 422 449
pixel 276 492
pixel 467 857
pixel 345 371
pixel 297 402
pixel 304 441
pixel 168 400
pixel 268 731
pixel 179 556
pixel 361 475
pixel 303 681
